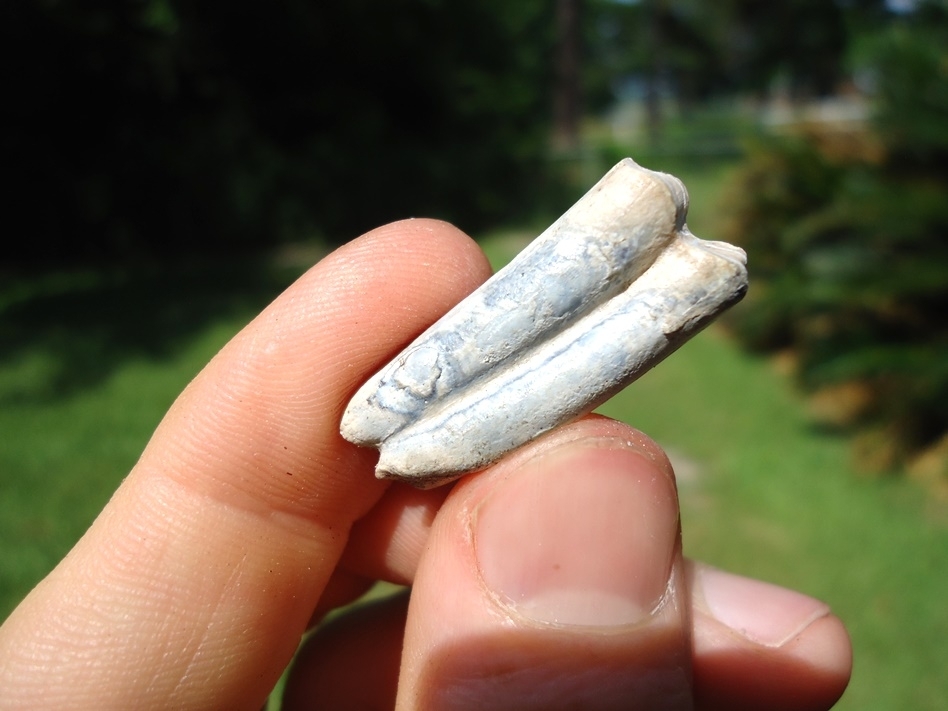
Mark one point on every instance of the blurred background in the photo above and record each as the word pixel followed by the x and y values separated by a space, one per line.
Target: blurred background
pixel 172 166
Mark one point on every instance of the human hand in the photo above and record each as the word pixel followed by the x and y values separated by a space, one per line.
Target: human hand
pixel 553 579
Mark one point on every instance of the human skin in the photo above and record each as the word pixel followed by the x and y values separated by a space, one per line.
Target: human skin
pixel 553 579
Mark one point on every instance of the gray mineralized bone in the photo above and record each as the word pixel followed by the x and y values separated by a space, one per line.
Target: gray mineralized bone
pixel 611 288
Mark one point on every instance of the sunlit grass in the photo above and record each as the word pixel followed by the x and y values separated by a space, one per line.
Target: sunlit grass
pixel 763 491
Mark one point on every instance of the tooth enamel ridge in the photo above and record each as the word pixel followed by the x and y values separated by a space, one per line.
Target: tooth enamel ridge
pixel 606 292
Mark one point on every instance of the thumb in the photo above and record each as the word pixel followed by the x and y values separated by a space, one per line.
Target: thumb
pixel 554 580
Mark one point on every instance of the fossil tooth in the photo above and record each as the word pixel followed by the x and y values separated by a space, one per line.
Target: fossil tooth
pixel 605 293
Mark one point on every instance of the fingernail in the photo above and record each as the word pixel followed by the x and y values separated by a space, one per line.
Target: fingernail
pixel 763 613
pixel 583 534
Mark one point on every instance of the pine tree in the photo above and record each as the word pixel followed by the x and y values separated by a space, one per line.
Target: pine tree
pixel 849 242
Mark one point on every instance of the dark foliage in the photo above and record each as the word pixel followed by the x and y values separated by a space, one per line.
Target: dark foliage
pixel 696 50
pixel 156 127
pixel 848 237
pixel 87 323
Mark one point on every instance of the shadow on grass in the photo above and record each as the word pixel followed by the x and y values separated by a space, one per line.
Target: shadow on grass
pixel 71 333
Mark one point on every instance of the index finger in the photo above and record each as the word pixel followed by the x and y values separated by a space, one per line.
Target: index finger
pixel 193 586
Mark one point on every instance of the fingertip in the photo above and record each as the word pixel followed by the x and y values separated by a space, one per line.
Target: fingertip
pixel 352 661
pixel 387 543
pixel 571 543
pixel 433 243
pixel 585 533
pixel 758 645
pixel 826 646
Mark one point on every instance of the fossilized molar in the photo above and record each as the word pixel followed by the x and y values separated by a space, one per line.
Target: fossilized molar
pixel 605 293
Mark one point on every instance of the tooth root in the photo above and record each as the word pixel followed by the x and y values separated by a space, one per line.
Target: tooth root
pixel 605 293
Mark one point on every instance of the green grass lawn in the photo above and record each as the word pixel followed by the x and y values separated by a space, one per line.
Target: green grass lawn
pixel 89 364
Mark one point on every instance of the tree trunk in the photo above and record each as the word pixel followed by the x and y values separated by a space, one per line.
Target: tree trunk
pixel 567 87
pixel 653 72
